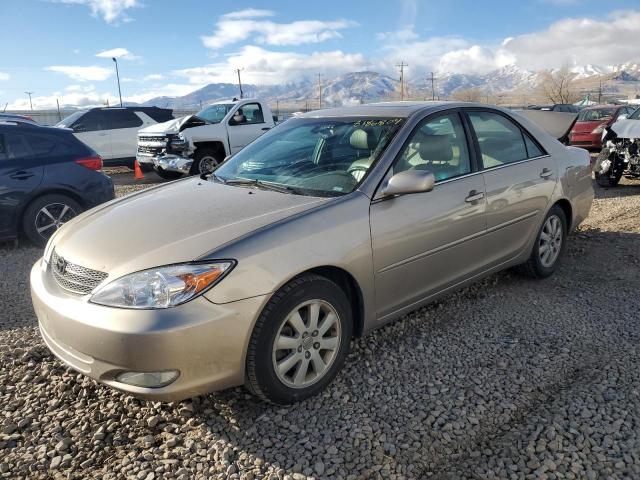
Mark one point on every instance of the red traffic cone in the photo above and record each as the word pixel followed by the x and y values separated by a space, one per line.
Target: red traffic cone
pixel 137 171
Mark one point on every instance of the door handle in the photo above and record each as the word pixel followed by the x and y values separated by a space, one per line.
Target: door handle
pixel 21 175
pixel 266 128
pixel 546 173
pixel 474 196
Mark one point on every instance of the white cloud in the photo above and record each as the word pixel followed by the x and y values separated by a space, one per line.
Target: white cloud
pixel 265 67
pixel 82 74
pixel 237 26
pixel 153 77
pixel 4 76
pixel 110 10
pixel 117 53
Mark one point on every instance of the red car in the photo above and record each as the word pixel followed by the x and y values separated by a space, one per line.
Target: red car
pixel 591 122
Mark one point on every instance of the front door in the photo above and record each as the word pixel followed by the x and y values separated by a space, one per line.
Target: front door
pixel 245 126
pixel 425 242
pixel 123 128
pixel 93 129
pixel 520 179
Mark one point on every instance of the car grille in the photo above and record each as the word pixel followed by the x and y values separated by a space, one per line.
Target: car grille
pixel 143 138
pixel 144 150
pixel 72 277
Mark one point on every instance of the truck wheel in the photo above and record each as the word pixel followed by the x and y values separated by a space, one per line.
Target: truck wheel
pixel 300 341
pixel 205 161
pixel 607 179
pixel 47 214
pixel 168 175
pixel 612 176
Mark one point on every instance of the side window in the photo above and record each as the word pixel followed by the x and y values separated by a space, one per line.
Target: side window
pixel 533 150
pixel 92 121
pixel 17 147
pixel 438 145
pixel 3 148
pixel 249 113
pixel 42 145
pixel 122 119
pixel 501 141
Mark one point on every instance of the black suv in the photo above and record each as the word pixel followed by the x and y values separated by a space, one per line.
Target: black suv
pixel 47 177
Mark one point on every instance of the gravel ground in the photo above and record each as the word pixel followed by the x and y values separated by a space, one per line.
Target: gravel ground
pixel 510 378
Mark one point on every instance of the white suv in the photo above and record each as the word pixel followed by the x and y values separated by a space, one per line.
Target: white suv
pixel 112 131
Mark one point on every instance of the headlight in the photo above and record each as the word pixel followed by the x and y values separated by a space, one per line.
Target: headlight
pixel 162 287
pixel 598 129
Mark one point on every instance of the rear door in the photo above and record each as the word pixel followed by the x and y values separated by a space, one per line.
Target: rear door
pixel 123 128
pixel 520 178
pixel 93 129
pixel 245 126
pixel 425 242
pixel 20 173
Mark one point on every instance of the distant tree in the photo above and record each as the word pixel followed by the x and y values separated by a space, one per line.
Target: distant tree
pixel 469 95
pixel 558 86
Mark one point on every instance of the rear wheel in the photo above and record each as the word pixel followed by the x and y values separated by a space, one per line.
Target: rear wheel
pixel 47 214
pixel 300 341
pixel 205 161
pixel 549 245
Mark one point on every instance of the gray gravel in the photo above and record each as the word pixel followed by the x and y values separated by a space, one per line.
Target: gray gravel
pixel 510 378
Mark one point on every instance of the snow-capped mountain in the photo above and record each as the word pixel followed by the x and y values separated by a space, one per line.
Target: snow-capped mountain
pixel 368 86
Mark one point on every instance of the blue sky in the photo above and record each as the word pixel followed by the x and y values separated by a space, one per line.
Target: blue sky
pixel 62 48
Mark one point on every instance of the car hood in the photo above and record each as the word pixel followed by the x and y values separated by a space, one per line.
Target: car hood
pixel 177 222
pixel 627 128
pixel 170 126
pixel 587 127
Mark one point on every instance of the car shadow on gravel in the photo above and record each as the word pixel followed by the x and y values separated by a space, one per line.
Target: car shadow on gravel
pixel 509 377
pixel 626 188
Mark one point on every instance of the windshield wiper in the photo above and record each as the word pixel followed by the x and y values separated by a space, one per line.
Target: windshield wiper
pixel 276 187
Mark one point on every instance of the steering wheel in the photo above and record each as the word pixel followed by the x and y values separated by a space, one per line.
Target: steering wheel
pixel 358 171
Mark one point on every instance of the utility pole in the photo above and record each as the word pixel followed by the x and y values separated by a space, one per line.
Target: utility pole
pixel 59 114
pixel 433 89
pixel 118 77
pixel 319 91
pixel 600 92
pixel 30 104
pixel 238 70
pixel 401 65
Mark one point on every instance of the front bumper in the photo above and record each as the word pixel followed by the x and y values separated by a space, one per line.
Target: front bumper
pixel 205 342
pixel 166 162
pixel 585 140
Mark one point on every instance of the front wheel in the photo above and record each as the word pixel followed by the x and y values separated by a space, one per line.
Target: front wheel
pixel 549 245
pixel 300 341
pixel 205 161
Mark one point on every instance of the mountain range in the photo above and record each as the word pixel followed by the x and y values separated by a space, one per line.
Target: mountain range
pixel 510 82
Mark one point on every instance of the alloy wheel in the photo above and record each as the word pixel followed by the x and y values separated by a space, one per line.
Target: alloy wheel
pixel 306 344
pixel 208 164
pixel 550 242
pixel 51 217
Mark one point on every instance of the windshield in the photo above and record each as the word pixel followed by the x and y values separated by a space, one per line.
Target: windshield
pixel 316 156
pixel 596 114
pixel 635 115
pixel 68 121
pixel 214 113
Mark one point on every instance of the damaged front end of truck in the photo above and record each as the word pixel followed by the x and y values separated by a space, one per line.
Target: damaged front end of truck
pixel 620 153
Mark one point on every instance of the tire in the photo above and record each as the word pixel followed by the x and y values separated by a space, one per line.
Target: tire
pixel 205 160
pixel 605 180
pixel 536 266
pixel 168 175
pixel 38 226
pixel 287 385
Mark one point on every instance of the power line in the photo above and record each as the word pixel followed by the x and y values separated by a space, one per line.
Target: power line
pixel 401 65
pixel 30 104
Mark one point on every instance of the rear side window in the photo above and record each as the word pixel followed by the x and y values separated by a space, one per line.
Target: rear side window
pixel 501 141
pixel 159 114
pixel 92 121
pixel 42 145
pixel 17 147
pixel 122 119
pixel 533 150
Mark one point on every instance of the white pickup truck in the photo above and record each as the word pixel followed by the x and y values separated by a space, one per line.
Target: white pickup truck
pixel 198 143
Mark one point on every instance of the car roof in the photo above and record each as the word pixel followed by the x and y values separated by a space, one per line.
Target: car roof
pixel 389 109
pixel 34 127
pixel 126 108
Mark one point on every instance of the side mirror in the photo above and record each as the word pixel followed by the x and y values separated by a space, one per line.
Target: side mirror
pixel 624 116
pixel 79 127
pixel 409 181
